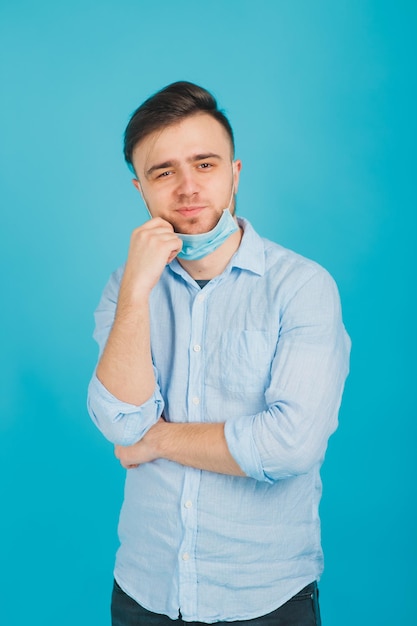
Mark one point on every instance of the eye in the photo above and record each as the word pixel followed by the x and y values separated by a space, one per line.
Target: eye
pixel 205 166
pixel 164 174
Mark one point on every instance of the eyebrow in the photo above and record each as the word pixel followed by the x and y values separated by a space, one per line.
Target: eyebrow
pixel 172 163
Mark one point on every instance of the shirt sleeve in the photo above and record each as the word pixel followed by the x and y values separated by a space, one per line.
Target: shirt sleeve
pixel 308 373
pixel 120 422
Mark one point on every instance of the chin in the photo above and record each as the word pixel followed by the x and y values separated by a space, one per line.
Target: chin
pixel 196 226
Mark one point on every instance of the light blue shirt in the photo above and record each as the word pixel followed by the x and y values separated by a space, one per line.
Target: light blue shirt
pixel 262 348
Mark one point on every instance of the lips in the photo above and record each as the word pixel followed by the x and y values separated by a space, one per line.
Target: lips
pixel 190 211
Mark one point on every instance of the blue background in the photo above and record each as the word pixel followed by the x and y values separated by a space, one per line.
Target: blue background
pixel 322 97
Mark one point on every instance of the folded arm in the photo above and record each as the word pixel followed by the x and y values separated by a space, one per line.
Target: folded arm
pixel 124 398
pixel 202 446
pixel 303 398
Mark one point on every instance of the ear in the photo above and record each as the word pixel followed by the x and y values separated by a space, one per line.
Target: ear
pixel 137 184
pixel 237 166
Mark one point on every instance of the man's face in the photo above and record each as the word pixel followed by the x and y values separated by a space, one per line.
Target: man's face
pixel 186 173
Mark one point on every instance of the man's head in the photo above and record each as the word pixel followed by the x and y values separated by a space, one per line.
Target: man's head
pixel 180 148
pixel 169 106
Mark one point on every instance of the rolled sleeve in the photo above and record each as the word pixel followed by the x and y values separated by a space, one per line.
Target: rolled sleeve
pixel 303 398
pixel 241 444
pixel 120 422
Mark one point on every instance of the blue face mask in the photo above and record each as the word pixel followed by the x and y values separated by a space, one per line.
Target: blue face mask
pixel 195 247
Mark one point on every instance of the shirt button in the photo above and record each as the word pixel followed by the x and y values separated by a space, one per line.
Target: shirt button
pixel 201 297
pixel 197 348
pixel 196 400
pixel 185 556
pixel 188 504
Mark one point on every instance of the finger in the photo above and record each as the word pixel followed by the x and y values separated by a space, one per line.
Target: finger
pixel 174 252
pixel 158 238
pixel 156 222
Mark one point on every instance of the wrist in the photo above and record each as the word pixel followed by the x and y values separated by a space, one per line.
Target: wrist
pixel 132 306
pixel 136 285
pixel 132 296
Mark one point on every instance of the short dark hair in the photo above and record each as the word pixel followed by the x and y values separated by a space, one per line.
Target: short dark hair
pixel 169 106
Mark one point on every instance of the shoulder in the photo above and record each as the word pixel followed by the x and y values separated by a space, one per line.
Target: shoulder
pixel 287 262
pixel 111 289
pixel 282 265
pixel 300 283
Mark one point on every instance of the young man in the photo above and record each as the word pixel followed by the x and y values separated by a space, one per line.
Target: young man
pixel 222 363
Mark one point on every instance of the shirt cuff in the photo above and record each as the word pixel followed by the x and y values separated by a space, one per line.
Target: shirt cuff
pixel 121 422
pixel 238 432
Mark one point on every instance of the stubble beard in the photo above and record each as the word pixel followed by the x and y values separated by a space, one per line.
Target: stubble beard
pixel 194 225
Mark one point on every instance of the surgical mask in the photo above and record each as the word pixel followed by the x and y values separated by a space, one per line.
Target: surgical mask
pixel 195 247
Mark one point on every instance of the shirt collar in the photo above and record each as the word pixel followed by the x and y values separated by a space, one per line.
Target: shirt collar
pixel 251 253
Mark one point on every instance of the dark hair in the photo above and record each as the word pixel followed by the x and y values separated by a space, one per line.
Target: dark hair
pixel 169 106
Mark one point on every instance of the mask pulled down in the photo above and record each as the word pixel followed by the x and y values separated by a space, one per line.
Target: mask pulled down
pixel 195 247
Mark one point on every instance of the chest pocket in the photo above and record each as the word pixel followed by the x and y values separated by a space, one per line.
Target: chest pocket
pixel 246 360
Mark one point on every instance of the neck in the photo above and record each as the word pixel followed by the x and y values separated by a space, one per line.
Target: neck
pixel 214 263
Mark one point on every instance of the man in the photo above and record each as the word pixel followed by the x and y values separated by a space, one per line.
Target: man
pixel 222 363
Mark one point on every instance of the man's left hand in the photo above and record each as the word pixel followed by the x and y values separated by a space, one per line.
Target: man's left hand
pixel 140 452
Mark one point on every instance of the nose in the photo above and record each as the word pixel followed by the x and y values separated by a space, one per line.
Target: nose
pixel 187 183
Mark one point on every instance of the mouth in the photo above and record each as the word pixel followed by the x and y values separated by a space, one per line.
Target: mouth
pixel 190 211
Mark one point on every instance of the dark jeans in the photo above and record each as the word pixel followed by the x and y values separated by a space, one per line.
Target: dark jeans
pixel 301 610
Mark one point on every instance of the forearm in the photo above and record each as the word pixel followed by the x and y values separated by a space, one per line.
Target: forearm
pixel 125 368
pixel 202 446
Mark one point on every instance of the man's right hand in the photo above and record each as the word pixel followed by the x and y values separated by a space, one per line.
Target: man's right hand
pixel 152 247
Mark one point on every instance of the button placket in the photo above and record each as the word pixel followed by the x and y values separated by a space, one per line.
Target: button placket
pixel 196 357
pixel 186 554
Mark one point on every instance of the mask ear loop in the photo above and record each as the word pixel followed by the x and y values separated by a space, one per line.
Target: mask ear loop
pixel 232 195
